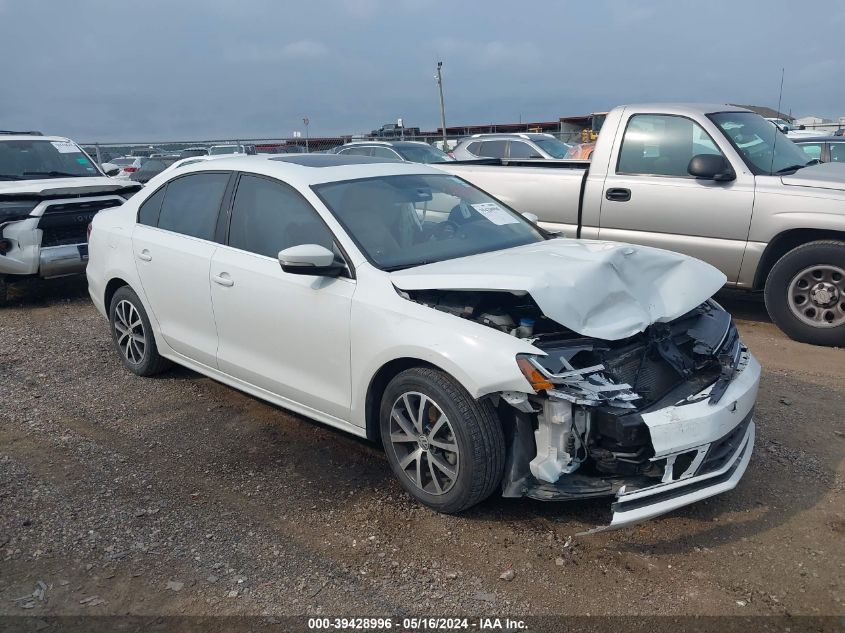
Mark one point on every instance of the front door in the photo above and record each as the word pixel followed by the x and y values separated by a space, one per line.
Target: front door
pixel 649 198
pixel 285 333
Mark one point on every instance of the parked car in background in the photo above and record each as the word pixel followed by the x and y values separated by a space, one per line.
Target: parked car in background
pixel 716 182
pixel 189 152
pixel 581 151
pixel 231 148
pixel 827 149
pixel 128 165
pixel 410 151
pixel 153 166
pixel 511 146
pixel 485 353
pixel 49 191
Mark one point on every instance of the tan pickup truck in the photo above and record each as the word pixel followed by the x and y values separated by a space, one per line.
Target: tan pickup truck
pixel 716 182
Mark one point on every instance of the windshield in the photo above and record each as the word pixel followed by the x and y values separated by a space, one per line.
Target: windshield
pixel 552 147
pixel 765 148
pixel 423 154
pixel 39 159
pixel 404 221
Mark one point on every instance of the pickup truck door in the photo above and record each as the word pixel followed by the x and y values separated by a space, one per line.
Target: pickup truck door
pixel 649 198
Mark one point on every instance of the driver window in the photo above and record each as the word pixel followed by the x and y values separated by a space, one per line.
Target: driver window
pixel 269 216
pixel 662 145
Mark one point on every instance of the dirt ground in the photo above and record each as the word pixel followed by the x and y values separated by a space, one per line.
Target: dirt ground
pixel 178 495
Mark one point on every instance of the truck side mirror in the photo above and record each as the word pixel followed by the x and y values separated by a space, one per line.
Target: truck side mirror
pixel 711 167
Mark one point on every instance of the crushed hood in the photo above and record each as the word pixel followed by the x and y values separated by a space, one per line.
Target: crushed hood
pixel 599 289
pixel 822 176
pixel 57 187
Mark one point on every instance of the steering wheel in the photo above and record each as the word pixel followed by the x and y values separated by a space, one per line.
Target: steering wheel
pixel 445 230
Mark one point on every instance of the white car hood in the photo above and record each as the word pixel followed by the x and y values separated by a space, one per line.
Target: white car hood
pixel 599 289
pixel 63 186
pixel 823 176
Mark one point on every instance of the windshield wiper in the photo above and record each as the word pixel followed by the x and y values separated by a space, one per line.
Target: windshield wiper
pixel 54 174
pixel 814 161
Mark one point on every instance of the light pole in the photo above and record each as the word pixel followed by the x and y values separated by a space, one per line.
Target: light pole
pixel 442 107
pixel 306 121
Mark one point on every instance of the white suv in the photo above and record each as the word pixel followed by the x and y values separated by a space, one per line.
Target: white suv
pixel 511 146
pixel 50 189
pixel 400 303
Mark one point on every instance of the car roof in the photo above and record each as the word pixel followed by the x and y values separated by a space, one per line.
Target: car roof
pixel 817 139
pixel 387 143
pixel 304 170
pixel 34 137
pixel 689 109
pixel 492 136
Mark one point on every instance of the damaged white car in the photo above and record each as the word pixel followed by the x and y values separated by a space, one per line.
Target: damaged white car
pixel 403 304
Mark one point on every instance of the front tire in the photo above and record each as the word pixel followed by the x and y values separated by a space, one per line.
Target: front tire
pixel 133 336
pixel 805 293
pixel 446 448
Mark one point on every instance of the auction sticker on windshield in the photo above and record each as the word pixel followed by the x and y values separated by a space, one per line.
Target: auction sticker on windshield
pixel 65 147
pixel 495 213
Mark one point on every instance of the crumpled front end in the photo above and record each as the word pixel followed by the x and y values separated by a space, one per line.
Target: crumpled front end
pixel 659 420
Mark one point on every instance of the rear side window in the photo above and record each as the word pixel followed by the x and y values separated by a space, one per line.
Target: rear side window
pixel 492 149
pixel 813 150
pixel 474 147
pixel 269 216
pixel 662 145
pixel 356 151
pixel 149 209
pixel 523 150
pixel 191 204
pixel 383 152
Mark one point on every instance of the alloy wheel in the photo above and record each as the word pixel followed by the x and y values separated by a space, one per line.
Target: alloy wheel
pixel 129 328
pixel 424 443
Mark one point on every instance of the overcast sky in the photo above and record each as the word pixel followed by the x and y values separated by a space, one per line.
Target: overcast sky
pixel 151 70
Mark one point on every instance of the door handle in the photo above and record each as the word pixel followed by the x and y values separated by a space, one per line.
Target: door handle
pixel 618 194
pixel 145 256
pixel 223 279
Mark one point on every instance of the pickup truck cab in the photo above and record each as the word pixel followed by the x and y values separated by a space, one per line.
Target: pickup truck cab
pixel 716 182
pixel 50 190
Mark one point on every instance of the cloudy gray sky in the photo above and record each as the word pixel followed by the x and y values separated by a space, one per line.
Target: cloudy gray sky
pixel 148 70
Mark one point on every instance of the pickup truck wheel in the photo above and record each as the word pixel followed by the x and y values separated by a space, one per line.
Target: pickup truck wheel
pixel 805 293
pixel 446 448
pixel 133 337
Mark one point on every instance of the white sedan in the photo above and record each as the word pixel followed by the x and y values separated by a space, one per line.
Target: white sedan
pixel 402 304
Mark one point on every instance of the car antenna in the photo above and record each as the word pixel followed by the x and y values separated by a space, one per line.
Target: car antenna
pixel 774 142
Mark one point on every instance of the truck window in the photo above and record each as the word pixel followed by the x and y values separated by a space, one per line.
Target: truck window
pixel 837 152
pixel 662 145
pixel 813 150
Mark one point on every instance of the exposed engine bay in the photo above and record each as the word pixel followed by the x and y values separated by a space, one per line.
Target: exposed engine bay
pixel 586 432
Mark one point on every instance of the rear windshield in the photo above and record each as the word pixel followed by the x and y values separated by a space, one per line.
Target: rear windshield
pixel 423 154
pixel 552 146
pixel 40 159
pixel 122 161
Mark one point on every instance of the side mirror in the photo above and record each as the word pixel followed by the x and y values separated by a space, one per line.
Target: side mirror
pixel 110 169
pixel 710 167
pixel 531 217
pixel 310 259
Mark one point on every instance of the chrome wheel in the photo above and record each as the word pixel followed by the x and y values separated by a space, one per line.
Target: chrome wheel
pixel 424 443
pixel 816 296
pixel 129 331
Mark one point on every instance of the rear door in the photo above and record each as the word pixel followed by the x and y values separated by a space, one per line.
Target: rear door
pixel 649 198
pixel 173 243
pixel 285 333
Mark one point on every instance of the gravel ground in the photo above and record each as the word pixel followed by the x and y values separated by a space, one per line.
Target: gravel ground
pixel 178 495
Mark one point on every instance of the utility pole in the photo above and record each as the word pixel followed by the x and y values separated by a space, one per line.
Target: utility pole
pixel 306 121
pixel 442 107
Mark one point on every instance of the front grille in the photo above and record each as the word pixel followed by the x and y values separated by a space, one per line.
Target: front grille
pixel 721 451
pixel 67 223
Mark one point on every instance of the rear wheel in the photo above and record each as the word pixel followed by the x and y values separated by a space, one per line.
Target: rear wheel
pixel 446 448
pixel 805 293
pixel 133 337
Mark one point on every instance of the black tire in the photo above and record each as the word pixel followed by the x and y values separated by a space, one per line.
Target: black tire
pixel 143 360
pixel 4 290
pixel 473 426
pixel 826 254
